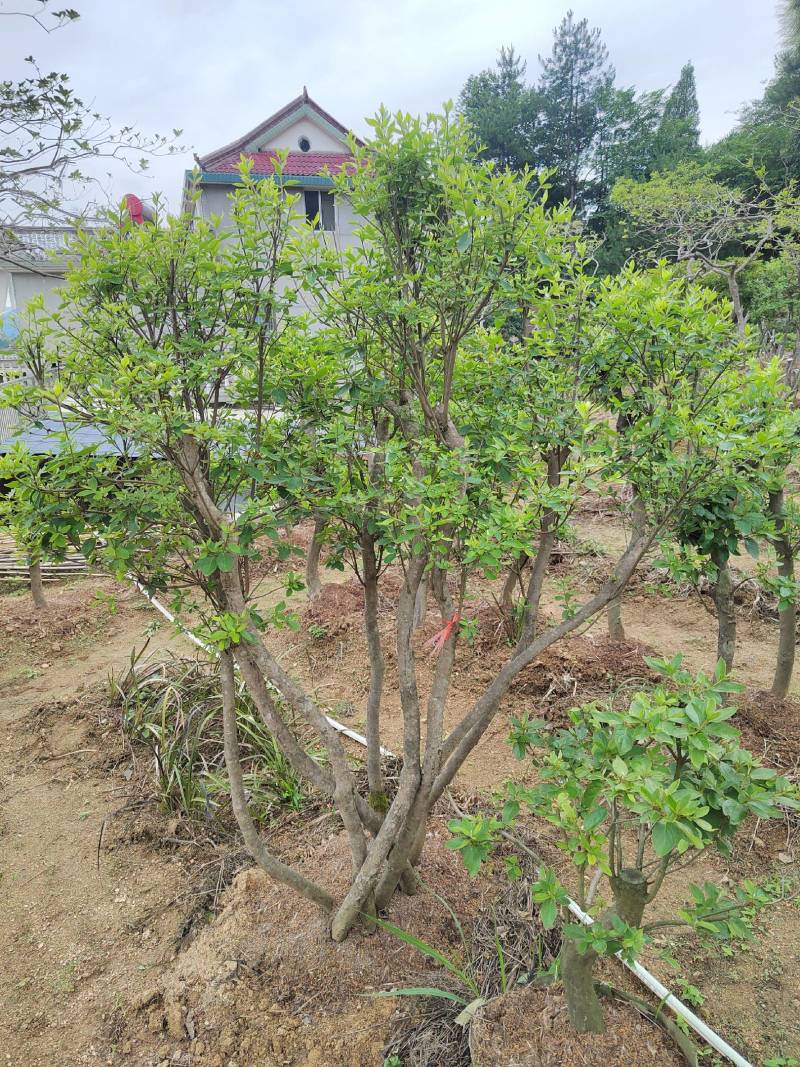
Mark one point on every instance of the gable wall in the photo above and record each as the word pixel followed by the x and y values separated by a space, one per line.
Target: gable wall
pixel 322 140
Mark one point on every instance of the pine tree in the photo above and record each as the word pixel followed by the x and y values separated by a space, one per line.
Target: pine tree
pixel 503 111
pixel 679 133
pixel 574 79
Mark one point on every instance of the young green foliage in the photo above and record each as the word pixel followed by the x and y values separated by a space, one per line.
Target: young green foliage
pixel 635 794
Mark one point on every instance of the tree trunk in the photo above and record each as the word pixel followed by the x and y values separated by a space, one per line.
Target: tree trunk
pixel 616 631
pixel 421 604
pixel 726 612
pixel 583 1003
pixel 512 582
pixel 37 588
pixel 313 584
pixel 629 889
pixel 736 300
pixel 377 795
pixel 616 628
pixel 271 866
pixel 787 615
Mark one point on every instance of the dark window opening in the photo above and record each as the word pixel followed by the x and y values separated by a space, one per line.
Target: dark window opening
pixel 320 211
pixel 304 144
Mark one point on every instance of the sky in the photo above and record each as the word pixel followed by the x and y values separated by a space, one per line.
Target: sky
pixel 216 68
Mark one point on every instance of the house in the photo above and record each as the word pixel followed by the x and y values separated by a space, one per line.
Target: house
pixel 317 146
pixel 34 265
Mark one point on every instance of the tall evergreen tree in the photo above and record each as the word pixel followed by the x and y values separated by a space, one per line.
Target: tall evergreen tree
pixel 767 138
pixel 679 133
pixel 503 111
pixel 574 78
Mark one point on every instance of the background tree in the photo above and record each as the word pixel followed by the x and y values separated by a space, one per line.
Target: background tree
pixel 47 137
pixel 679 129
pixel 503 112
pixel 573 78
pixel 689 217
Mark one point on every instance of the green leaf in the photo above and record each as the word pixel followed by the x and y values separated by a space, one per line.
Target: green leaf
pixel 548 912
pixel 665 836
pixel 594 818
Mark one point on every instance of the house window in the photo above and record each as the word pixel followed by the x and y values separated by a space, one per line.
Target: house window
pixel 304 144
pixel 320 211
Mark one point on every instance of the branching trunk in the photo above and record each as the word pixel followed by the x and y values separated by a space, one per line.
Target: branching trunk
pixel 384 846
pixel 726 611
pixel 788 615
pixel 37 586
pixel 272 866
pixel 313 584
pixel 377 796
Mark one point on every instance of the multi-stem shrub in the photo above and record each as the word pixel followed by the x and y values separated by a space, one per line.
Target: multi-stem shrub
pixel 636 794
pixel 413 427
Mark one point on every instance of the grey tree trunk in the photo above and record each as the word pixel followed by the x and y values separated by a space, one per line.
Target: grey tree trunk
pixel 37 587
pixel 313 584
pixel 377 795
pixel 271 866
pixel 726 613
pixel 616 630
pixel 736 300
pixel 421 604
pixel 788 615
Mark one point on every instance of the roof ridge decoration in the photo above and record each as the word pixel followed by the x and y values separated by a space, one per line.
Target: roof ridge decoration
pixel 248 143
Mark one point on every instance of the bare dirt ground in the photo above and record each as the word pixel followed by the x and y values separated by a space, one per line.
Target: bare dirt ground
pixel 98 967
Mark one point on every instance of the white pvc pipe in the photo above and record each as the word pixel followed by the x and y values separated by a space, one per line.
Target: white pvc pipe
pixel 339 726
pixel 645 977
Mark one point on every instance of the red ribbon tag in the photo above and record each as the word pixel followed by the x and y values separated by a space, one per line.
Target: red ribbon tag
pixel 438 640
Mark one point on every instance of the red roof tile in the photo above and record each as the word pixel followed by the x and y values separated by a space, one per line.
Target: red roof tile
pixel 210 160
pixel 298 164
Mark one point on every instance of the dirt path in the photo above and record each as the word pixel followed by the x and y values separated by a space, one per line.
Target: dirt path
pixel 76 938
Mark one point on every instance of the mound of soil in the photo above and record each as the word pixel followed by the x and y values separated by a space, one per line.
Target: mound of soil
pixel 530 1028
pixel 264 984
pixel 572 671
pixel 771 728
pixel 336 608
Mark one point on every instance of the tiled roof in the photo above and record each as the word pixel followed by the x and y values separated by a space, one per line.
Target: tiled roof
pixel 42 439
pixel 298 164
pixel 211 160
pixel 37 243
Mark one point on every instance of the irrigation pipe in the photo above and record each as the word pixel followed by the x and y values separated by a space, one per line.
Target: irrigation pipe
pixel 708 1035
pixel 342 729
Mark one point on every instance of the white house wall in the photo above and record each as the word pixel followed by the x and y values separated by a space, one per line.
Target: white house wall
pixel 25 285
pixel 320 139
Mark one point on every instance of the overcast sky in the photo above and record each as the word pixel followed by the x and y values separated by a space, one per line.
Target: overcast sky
pixel 215 68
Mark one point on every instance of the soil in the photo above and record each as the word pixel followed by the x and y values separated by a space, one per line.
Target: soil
pixel 530 1028
pixel 133 963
